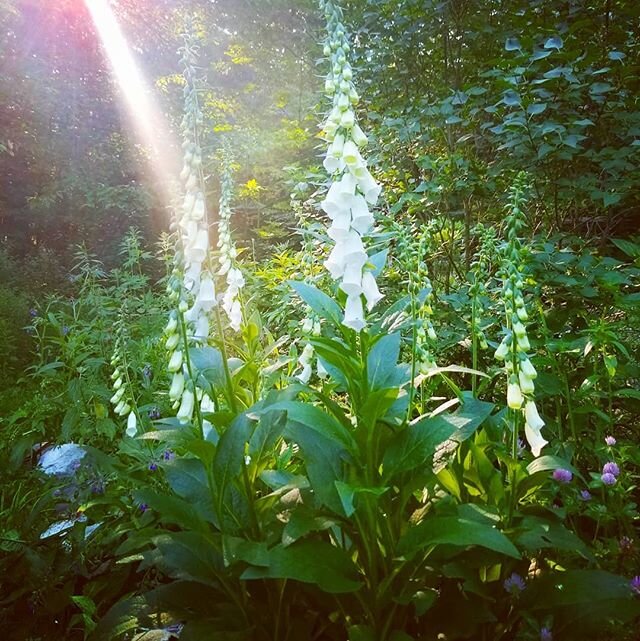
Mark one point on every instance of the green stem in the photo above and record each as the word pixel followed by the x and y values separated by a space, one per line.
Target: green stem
pixel 225 364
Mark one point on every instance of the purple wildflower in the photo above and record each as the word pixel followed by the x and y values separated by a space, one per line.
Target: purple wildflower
pixel 33 312
pixel 97 487
pixel 610 440
pixel 65 330
pixel 545 634
pixel 585 495
pixel 147 372
pixel 626 544
pixel 608 479
pixel 562 476
pixel 611 468
pixel 168 455
pixel 635 584
pixel 153 467
pixel 514 584
pixel 154 413
pixel 143 507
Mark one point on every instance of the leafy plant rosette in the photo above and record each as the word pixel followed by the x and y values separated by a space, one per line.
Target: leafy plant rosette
pixel 317 513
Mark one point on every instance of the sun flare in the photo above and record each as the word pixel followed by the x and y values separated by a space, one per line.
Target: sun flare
pixel 149 124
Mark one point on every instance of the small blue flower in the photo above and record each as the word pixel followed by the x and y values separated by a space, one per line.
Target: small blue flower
pixel 154 413
pixel 608 479
pixel 545 634
pixel 514 584
pixel 65 330
pixel 153 467
pixel 635 584
pixel 33 312
pixel 147 372
pixel 143 507
pixel 168 455
pixel 585 495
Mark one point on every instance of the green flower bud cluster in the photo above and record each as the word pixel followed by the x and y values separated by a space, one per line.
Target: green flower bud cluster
pixel 480 275
pixel 514 346
pixel 122 399
pixel 412 247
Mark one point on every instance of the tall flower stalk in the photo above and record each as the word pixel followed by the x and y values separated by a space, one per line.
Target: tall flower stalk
pixel 123 399
pixel 191 284
pixel 227 249
pixel 515 344
pixel 352 189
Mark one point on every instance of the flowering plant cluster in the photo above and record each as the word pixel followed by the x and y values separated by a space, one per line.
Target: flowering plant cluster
pixel 353 189
pixel 515 344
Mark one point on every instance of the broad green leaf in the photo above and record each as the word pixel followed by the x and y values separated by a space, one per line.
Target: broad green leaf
pixel 269 429
pixel 382 359
pixel 549 462
pixel 318 420
pixel 452 530
pixel 324 458
pixel 536 108
pixel 512 44
pixel 320 303
pixel 173 510
pixel 230 453
pixel 191 556
pixel 317 562
pixel 554 43
pixel 303 521
pixel 348 492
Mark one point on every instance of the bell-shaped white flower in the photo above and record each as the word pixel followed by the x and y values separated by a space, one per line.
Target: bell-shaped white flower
pixel 354 313
pixel 519 330
pixel 201 332
pixel 526 384
pixel 347 120
pixel 352 279
pixel 532 427
pixel 198 251
pixel 235 315
pixel 351 154
pixel 514 395
pixel 527 367
pixel 359 136
pixel 370 188
pixel 235 279
pixel 132 425
pixel 206 405
pixel 207 294
pixel 198 210
pixel 175 363
pixel 177 386
pixel 362 220
pixel 172 341
pixel 185 411
pixel 370 289
pixel 340 226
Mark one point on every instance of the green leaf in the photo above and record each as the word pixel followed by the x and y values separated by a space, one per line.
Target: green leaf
pixel 318 420
pixel 230 452
pixel 320 303
pixel 209 363
pixel 549 462
pixel 512 44
pixel 317 562
pixel 382 359
pixel 348 492
pixel 324 459
pixel 554 43
pixel 173 509
pixel 303 521
pixel 266 434
pixel 536 108
pixel 191 556
pixel 452 530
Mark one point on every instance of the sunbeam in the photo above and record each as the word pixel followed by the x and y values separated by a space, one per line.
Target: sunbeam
pixel 149 124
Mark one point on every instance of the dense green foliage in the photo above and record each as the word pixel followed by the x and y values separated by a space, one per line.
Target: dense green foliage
pixel 393 495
